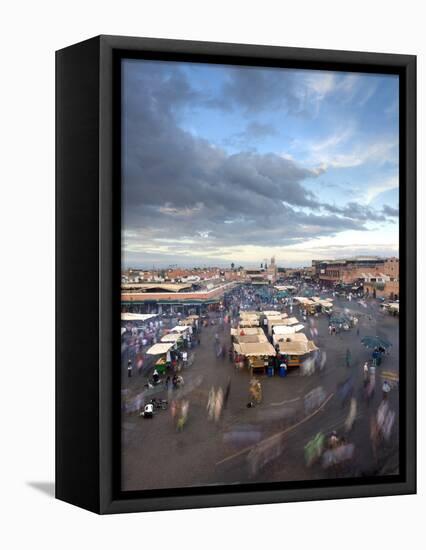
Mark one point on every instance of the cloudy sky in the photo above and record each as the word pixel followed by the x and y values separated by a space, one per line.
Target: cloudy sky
pixel 236 164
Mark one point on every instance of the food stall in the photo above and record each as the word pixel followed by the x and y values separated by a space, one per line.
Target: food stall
pixel 246 331
pixel 284 321
pixel 295 348
pixel 164 360
pixel 137 322
pixel 191 320
pixel 172 337
pixel 280 332
pixel 256 354
pixel 325 305
pixel 249 319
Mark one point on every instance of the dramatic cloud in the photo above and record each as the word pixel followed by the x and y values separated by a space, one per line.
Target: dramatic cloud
pixel 184 197
pixel 390 212
pixel 253 90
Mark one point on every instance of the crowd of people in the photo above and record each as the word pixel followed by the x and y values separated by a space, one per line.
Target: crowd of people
pixel 329 451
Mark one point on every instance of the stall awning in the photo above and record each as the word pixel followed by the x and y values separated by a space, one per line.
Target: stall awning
pixel 297 347
pixel 285 287
pixel 249 323
pixel 159 349
pixel 283 329
pixel 302 300
pixel 251 338
pixel 180 328
pixel 172 337
pixel 291 321
pixel 137 316
pixel 247 331
pixel 257 349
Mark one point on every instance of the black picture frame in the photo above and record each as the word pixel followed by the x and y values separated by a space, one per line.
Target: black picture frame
pixel 88 272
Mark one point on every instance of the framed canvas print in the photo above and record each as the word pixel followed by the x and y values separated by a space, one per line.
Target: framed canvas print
pixel 236 285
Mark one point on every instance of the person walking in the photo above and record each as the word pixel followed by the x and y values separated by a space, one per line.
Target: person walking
pixel 365 373
pixel 348 357
pixel 129 368
pixel 227 392
pixel 140 365
pixel 385 389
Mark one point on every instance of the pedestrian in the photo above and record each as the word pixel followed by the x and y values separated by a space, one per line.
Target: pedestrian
pixel 350 419
pixel 348 357
pixel 140 365
pixel 227 392
pixel 129 368
pixel 333 440
pixel 365 373
pixel 385 389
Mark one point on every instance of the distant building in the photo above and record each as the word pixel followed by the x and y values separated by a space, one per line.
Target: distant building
pixel 263 275
pixel 379 276
pixel 176 297
pixel 347 270
pixel 272 271
pixel 391 268
pixel 234 274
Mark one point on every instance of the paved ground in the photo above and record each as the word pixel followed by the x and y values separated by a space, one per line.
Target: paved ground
pixel 155 455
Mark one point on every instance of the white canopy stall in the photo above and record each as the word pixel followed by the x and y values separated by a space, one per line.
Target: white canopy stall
pixel 159 349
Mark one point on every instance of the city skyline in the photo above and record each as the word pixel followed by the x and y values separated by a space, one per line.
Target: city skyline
pixel 237 164
pixel 237 265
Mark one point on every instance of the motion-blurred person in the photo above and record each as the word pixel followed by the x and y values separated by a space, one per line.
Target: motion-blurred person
pixel 333 440
pixel 370 389
pixel 386 388
pixel 210 403
pixel 314 449
pixel 182 415
pixel 350 419
pixel 227 392
pixel 139 365
pixel 365 373
pixel 348 357
pixel 218 404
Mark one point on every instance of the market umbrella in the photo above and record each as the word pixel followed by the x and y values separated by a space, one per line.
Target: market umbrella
pixel 339 320
pixel 373 342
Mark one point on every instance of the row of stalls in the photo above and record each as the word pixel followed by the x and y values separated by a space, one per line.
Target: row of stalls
pixel 179 338
pixel 283 292
pixel 292 346
pixel 274 320
pixel 253 349
pixel 137 322
pixel 314 304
